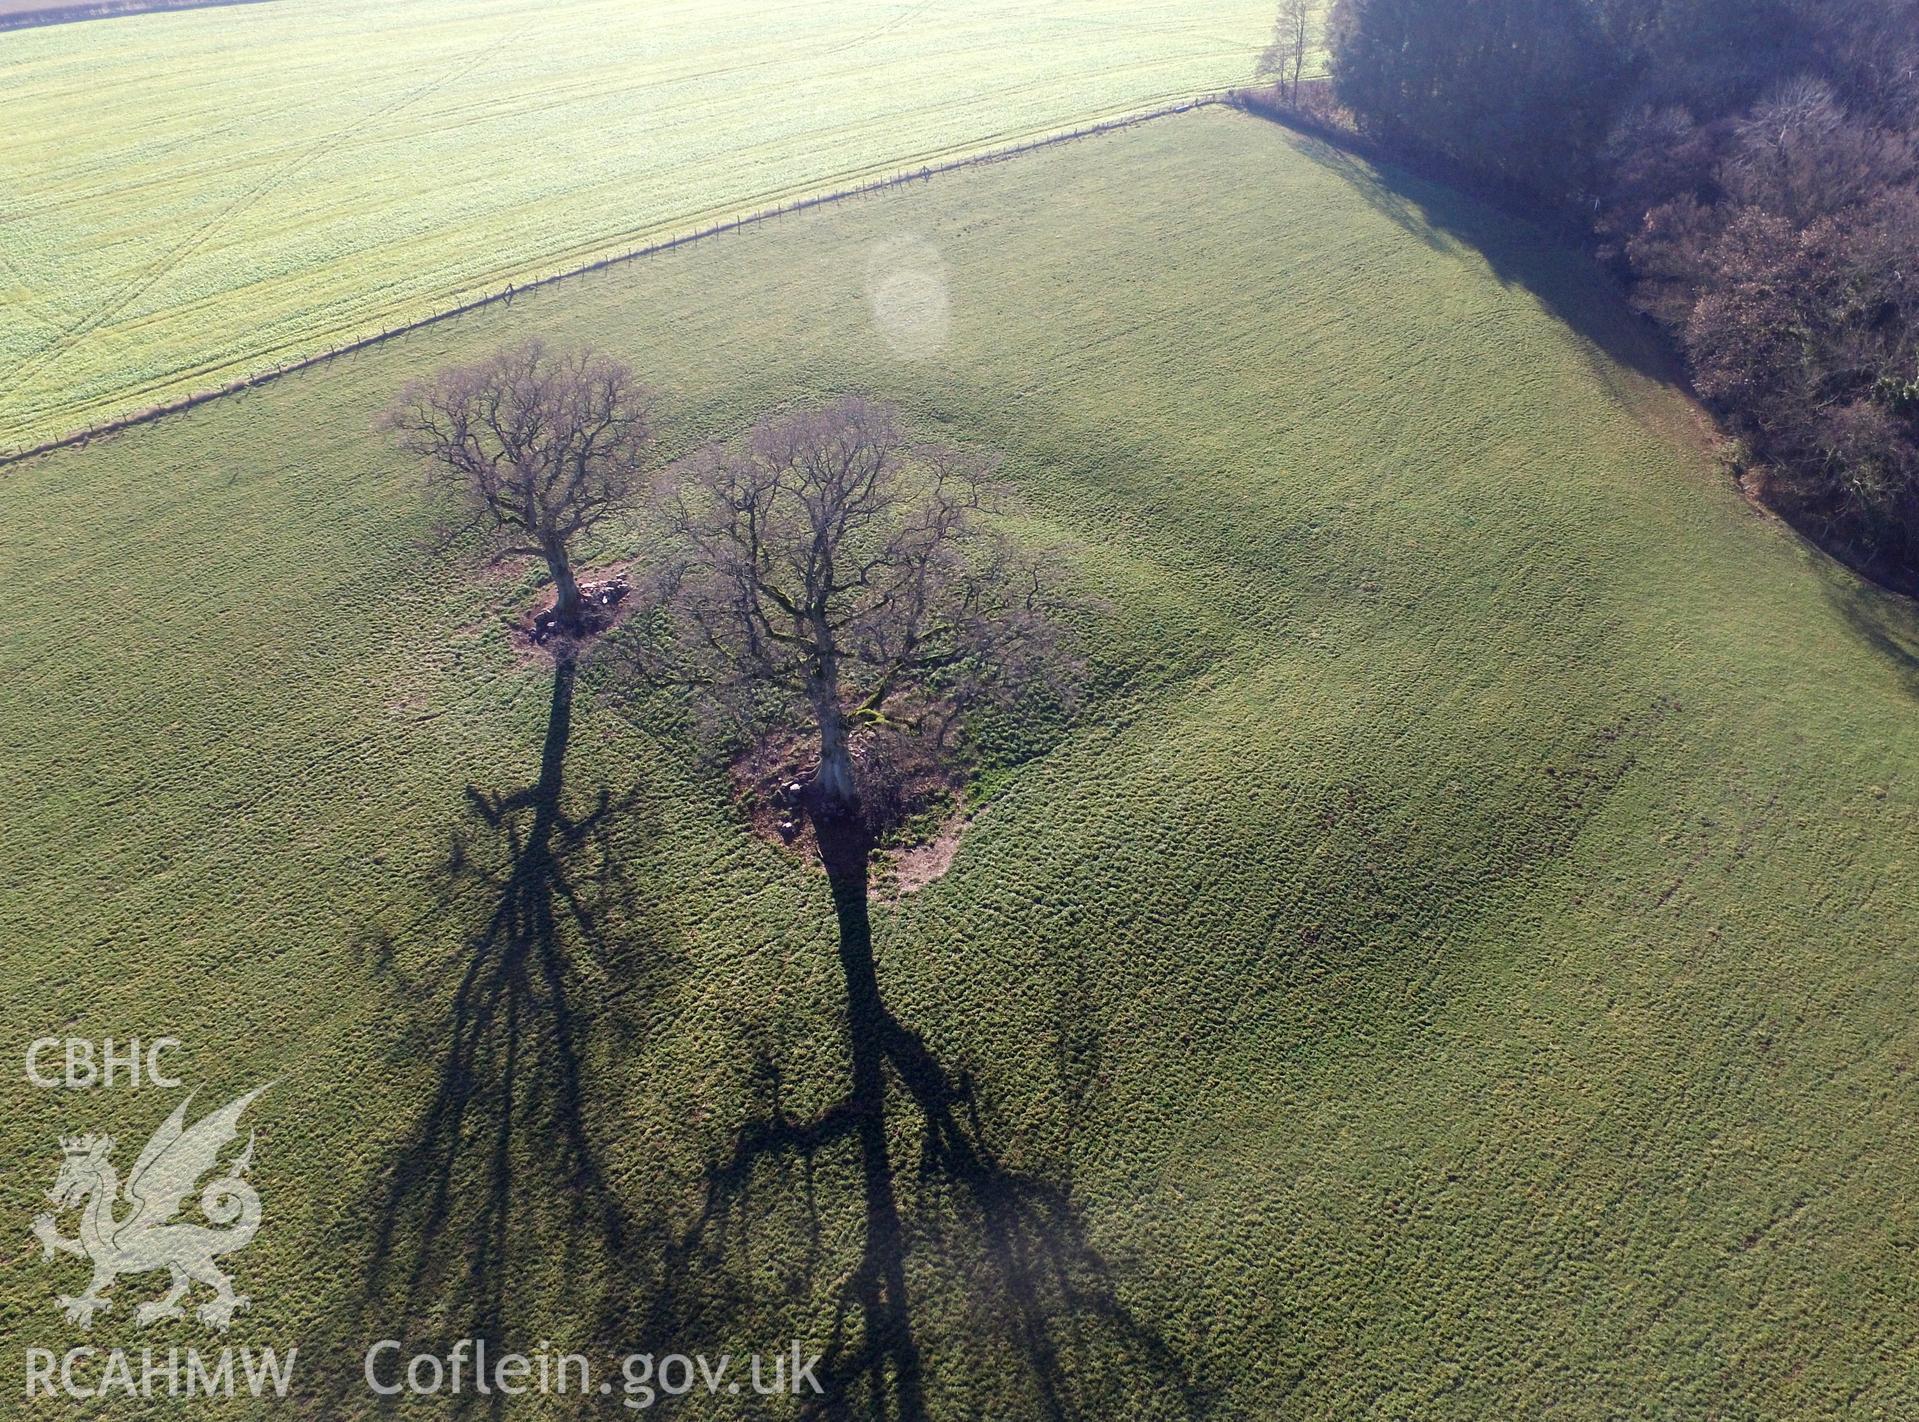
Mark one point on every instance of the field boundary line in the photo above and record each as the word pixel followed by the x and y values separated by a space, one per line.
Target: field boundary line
pixel 505 295
pixel 47 16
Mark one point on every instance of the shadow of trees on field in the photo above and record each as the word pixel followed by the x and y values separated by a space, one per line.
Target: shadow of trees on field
pixel 1882 620
pixel 951 1238
pixel 932 1278
pixel 1543 257
pixel 501 1169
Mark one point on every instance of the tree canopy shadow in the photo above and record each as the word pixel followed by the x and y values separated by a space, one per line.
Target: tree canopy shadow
pixel 1883 621
pixel 501 1170
pixel 1005 1250
pixel 499 1214
pixel 1539 253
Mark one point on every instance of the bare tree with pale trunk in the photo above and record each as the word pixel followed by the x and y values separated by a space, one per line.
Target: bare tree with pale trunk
pixel 835 577
pixel 538 447
pixel 1285 58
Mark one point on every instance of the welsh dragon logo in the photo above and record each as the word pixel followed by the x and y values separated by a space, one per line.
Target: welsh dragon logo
pixel 148 1237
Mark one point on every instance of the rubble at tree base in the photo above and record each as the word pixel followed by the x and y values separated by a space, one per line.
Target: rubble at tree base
pixel 899 788
pixel 598 605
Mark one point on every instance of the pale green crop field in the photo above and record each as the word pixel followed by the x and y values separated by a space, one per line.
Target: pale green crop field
pixel 191 196
pixel 1459 963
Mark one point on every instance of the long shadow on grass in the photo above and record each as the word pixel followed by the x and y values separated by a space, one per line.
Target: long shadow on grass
pixel 1432 205
pixel 975 1289
pixel 500 1178
pixel 1881 620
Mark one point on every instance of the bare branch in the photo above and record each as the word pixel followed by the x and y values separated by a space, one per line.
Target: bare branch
pixel 540 446
pixel 837 577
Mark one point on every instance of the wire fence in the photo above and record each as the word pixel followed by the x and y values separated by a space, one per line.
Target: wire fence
pixel 506 294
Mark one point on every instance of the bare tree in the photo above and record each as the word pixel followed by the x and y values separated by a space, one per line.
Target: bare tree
pixel 837 579
pixel 539 448
pixel 1798 154
pixel 1285 58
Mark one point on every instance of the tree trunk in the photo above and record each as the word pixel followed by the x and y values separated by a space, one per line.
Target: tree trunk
pixel 833 783
pixel 566 603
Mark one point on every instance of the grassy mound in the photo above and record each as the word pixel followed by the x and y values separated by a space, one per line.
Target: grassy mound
pixel 1461 965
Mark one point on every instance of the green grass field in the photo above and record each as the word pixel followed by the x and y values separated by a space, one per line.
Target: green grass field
pixel 1459 964
pixel 194 196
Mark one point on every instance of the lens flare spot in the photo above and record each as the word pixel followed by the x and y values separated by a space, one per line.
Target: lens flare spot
pixel 906 291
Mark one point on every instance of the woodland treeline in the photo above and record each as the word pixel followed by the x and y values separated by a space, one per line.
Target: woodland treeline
pixel 1751 167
